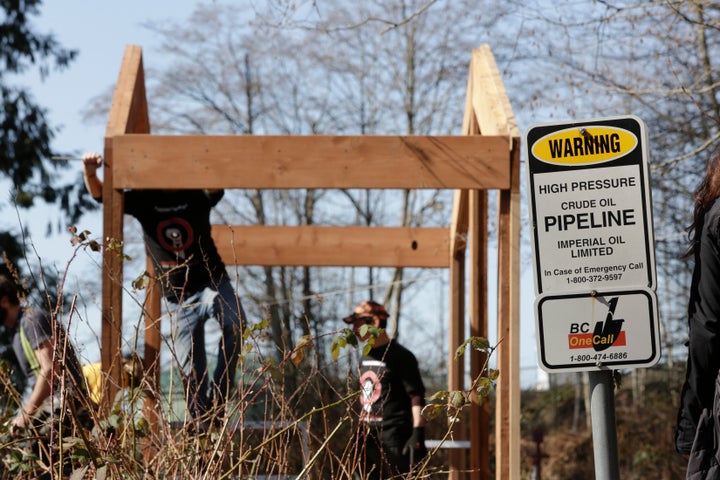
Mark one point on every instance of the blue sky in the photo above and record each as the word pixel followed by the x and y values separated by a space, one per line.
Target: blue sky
pixel 100 31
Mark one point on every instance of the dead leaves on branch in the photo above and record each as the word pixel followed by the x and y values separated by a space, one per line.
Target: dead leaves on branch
pixel 82 239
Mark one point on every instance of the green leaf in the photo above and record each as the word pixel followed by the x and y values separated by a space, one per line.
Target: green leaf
pixel 457 399
pixel 339 342
pixel 460 351
pixel 483 388
pixel 440 395
pixel 262 325
pixel 432 410
pixel 481 344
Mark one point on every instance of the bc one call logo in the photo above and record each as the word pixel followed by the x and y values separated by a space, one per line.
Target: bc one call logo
pixel 603 335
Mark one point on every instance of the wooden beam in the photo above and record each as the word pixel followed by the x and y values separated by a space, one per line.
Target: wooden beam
pixel 314 161
pixel 306 245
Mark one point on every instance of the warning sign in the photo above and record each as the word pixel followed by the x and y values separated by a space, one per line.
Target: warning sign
pixel 593 246
pixel 590 205
pixel 586 331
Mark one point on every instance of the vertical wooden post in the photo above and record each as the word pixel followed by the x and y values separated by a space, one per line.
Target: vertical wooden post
pixel 457 458
pixel 479 414
pixel 151 358
pixel 111 326
pixel 128 114
pixel 507 426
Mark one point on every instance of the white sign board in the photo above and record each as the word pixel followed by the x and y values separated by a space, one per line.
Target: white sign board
pixel 583 331
pixel 591 215
pixel 590 206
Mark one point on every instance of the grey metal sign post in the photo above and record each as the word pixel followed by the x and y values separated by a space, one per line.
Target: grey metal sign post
pixel 594 261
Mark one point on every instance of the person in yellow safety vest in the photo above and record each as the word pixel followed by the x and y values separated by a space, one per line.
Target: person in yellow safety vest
pixel 132 372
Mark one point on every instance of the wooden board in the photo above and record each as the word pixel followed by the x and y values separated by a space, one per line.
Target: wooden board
pixel 313 161
pixel 333 246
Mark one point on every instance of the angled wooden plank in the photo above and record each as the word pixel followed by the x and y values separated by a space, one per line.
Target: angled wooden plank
pixel 128 111
pixel 470 124
pixel 490 102
pixel 459 220
pixel 306 245
pixel 311 161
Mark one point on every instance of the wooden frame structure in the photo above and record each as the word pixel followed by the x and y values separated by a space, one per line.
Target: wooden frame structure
pixel 485 157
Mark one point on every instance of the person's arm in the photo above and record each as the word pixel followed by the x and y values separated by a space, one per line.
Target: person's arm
pixel 91 162
pixel 42 388
pixel 418 419
pixel 415 445
pixel 415 389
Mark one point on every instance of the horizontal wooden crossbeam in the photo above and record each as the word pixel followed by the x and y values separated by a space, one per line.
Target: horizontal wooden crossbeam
pixel 311 161
pixel 333 246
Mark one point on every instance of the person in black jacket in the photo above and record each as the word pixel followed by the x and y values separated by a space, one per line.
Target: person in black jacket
pixel 194 283
pixel 392 398
pixel 703 361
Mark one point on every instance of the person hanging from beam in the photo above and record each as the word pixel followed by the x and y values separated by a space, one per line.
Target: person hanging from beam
pixel 194 283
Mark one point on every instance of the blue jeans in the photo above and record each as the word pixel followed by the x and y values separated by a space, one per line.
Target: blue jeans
pixel 188 337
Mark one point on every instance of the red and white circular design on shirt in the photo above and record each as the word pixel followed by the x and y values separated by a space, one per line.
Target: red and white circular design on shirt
pixel 369 388
pixel 175 234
